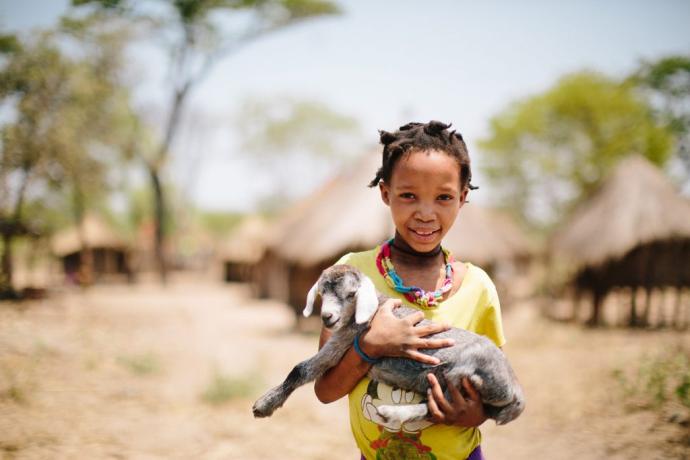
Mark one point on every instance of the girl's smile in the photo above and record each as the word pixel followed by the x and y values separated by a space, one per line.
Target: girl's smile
pixel 424 196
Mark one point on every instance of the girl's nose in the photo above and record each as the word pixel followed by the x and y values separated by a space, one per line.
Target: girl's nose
pixel 425 213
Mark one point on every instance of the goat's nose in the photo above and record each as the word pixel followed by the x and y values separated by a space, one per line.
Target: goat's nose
pixel 327 316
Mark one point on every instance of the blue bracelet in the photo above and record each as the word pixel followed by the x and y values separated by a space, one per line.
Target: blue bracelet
pixel 363 355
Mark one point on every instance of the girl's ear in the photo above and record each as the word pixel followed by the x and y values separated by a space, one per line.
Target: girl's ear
pixel 385 192
pixel 367 301
pixel 463 196
pixel 311 296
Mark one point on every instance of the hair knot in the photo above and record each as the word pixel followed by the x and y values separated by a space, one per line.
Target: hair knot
pixel 410 126
pixel 386 137
pixel 433 128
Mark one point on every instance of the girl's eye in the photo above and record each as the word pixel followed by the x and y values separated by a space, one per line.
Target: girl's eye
pixel 445 197
pixel 407 195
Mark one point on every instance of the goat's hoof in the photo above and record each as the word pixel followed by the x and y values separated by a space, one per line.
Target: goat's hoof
pixel 261 410
pixel 385 412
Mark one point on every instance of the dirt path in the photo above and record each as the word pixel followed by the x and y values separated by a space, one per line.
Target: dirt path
pixel 121 372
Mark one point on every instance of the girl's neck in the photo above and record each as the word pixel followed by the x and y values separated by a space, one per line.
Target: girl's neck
pixel 403 254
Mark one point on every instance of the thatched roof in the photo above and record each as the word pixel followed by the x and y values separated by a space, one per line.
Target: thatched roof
pixel 97 234
pixel 637 204
pixel 482 236
pixel 246 243
pixel 345 214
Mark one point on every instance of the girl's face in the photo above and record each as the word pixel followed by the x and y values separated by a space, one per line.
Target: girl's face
pixel 424 197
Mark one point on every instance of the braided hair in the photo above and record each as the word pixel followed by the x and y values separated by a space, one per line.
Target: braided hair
pixel 423 136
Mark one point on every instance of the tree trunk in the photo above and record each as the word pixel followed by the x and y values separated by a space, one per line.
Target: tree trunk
pixel 677 308
pixel 85 271
pixel 6 286
pixel 154 168
pixel 647 306
pixel 159 215
pixel 86 275
pixel 577 299
pixel 12 228
pixel 632 322
pixel 597 299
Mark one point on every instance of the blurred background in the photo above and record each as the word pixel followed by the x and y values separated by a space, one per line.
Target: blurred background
pixel 174 175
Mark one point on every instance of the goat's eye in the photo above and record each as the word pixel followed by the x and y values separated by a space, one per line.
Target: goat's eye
pixel 351 295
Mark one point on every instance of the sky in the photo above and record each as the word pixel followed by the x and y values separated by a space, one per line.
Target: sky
pixel 388 62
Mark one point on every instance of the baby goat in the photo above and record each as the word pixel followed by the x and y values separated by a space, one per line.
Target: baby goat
pixel 349 301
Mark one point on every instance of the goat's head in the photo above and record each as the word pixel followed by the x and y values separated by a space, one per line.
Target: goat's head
pixel 344 291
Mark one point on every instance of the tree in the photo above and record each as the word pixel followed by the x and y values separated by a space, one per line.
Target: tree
pixel 285 136
pixel 197 43
pixel 69 116
pixel 665 83
pixel 548 151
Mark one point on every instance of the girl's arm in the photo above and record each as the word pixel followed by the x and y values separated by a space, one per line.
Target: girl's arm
pixel 387 335
pixel 343 377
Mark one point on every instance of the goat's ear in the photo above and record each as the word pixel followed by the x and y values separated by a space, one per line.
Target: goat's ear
pixel 311 296
pixel 367 301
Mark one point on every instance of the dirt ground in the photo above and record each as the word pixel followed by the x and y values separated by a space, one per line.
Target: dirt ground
pixel 142 372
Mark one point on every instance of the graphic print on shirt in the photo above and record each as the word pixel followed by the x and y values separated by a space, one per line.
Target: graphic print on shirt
pixel 396 440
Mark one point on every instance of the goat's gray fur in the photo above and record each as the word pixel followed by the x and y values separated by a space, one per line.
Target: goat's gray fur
pixel 349 301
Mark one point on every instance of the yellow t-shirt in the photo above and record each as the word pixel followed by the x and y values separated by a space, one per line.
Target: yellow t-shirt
pixel 474 307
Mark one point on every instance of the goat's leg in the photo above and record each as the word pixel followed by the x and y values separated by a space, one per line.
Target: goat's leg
pixel 303 373
pixel 403 413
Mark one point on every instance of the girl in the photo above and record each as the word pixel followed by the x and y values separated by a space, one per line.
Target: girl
pixel 424 179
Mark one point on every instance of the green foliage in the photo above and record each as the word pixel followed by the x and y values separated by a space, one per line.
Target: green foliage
pixel 307 8
pixel 141 364
pixel 219 223
pixel 282 126
pixel 546 152
pixel 683 390
pixel 16 394
pixel 101 3
pixel 9 44
pixel 657 380
pixel 668 75
pixel 72 117
pixel 288 138
pixel 223 388
pixel 665 84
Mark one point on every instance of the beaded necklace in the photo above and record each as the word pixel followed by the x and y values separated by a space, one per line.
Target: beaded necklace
pixel 413 293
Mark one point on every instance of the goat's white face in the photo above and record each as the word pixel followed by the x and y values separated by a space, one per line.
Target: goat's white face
pixel 342 296
pixel 331 309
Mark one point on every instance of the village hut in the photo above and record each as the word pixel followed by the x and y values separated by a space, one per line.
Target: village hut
pixel 95 244
pixel 244 248
pixel 493 241
pixel 342 216
pixel 633 233
pixel 345 215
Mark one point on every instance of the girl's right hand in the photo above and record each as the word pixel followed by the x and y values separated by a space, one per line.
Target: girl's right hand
pixel 391 336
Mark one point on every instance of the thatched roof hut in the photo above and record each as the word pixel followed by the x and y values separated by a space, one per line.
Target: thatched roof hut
pixel 244 247
pixel 633 232
pixel 107 254
pixel 94 230
pixel 486 237
pixel 345 215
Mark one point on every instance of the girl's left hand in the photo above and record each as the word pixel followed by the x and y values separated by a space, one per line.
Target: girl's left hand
pixel 461 411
